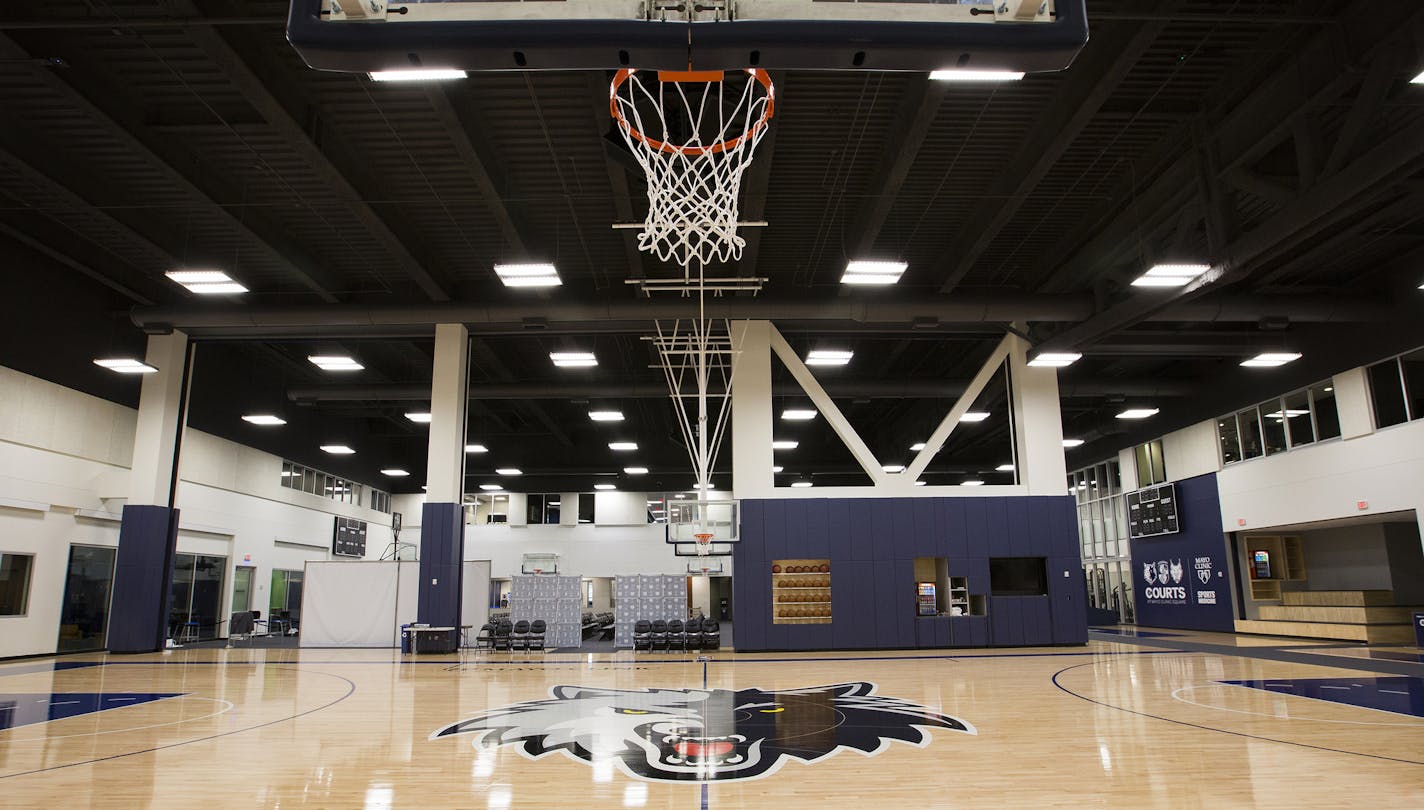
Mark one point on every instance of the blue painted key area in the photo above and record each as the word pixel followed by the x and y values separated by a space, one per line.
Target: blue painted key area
pixel 1400 695
pixel 23 709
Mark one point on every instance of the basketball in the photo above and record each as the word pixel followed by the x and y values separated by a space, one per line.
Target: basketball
pixel 776 569
pixel 825 568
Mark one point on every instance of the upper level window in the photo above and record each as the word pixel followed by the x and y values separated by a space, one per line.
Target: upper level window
pixel 1397 389
pixel 1151 468
pixel 1277 425
pixel 316 482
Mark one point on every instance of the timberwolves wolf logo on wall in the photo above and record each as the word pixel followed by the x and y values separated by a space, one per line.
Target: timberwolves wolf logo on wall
pixel 704 735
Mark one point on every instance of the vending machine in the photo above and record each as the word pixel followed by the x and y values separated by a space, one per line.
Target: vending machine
pixel 925 599
pixel 1260 564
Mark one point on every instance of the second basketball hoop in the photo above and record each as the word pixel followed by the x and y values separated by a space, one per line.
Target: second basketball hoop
pixel 694 133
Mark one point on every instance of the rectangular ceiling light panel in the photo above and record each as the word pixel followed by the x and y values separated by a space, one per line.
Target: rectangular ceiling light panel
pixel 334 362
pixel 873 272
pixel 1137 413
pixel 528 275
pixel 623 447
pixel 606 416
pixel 1270 359
pixel 125 365
pixel 265 419
pixel 828 357
pixel 1055 359
pixel 573 359
pixel 206 282
pixel 417 75
pixel 1170 275
pixel 337 449
pixel 962 75
pixel 798 414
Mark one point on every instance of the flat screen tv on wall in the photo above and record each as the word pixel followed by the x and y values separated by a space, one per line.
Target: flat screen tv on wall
pixel 1018 576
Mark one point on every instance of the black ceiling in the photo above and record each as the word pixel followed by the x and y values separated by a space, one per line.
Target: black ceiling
pixel 1278 139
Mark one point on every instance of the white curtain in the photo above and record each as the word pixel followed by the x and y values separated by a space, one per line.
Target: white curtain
pixel 352 604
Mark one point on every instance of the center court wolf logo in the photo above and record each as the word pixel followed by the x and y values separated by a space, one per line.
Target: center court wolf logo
pixel 705 735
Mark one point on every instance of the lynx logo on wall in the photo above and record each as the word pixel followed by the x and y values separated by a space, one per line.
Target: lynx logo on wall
pixel 1158 575
pixel 705 735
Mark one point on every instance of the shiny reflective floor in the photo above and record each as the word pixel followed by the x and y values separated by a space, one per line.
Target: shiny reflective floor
pixel 1117 724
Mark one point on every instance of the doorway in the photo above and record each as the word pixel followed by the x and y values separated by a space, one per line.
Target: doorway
pixel 196 597
pixel 284 609
pixel 242 589
pixel 84 617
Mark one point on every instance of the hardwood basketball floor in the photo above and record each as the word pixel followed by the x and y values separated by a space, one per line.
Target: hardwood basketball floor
pixel 1115 724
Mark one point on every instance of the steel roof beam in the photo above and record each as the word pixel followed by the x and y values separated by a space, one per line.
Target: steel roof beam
pixel 1088 86
pixel 108 107
pixel 261 92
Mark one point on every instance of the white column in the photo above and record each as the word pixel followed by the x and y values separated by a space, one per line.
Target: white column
pixel 156 433
pixel 751 410
pixel 1038 424
pixel 449 396
pixel 1352 402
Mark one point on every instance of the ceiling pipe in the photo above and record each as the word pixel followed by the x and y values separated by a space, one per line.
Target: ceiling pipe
pixel 869 389
pixel 919 315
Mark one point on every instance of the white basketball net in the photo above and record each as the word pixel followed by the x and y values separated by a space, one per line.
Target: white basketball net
pixel 693 143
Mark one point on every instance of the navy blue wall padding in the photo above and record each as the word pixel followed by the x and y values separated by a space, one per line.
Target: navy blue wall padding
pixel 143 579
pixel 872 544
pixel 442 551
pixel 1200 547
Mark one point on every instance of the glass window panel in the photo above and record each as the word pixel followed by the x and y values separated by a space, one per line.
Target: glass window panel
pixel 1413 365
pixel 1273 427
pixel 15 584
pixel 1249 425
pixel 1327 418
pixel 1114 478
pixel 1144 466
pixel 84 617
pixel 1129 613
pixel 1159 464
pixel 1230 439
pixel 1298 421
pixel 1387 393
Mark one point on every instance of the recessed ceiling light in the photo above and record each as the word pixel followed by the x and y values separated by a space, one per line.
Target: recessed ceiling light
pixel 1170 275
pixel 622 447
pixel 508 471
pixel 573 359
pixel 893 468
pixel 550 503
pixel 606 416
pixel 1072 442
pixel 528 275
pixel 778 468
pixel 919 483
pixel 1137 413
pixel 800 484
pixel 476 448
pixel 1004 468
pixel 419 417
pixel 828 357
pixel 636 470
pixel 1055 359
pixel 873 272
pixel 604 486
pixel 972 482
pixel 337 449
pixel 1417 79
pixel 334 362
pixel 491 487
pixel 416 75
pixel 1288 412
pixel 395 473
pixel 125 365
pixel 264 419
pixel 960 75
pixel 1270 359
pixel 974 416
pixel 798 414
pixel 917 447
pixel 680 496
pixel 784 444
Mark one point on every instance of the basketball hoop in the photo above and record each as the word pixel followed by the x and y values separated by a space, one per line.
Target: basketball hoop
pixel 704 545
pixel 702 134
